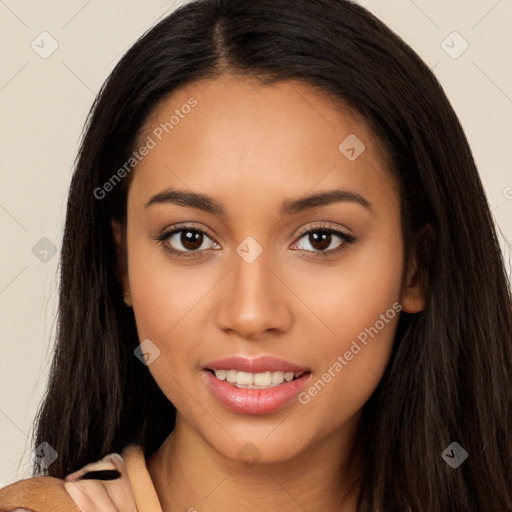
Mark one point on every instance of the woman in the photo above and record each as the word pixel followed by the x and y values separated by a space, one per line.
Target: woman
pixel 281 284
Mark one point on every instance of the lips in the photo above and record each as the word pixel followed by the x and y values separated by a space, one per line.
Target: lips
pixel 258 365
pixel 250 400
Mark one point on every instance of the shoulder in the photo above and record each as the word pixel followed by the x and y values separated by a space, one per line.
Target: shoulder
pixel 133 488
pixel 38 494
pixel 129 487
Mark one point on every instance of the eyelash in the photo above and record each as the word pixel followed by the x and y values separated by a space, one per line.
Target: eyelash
pixel 347 239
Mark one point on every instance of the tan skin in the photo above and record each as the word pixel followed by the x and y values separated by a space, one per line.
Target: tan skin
pixel 251 147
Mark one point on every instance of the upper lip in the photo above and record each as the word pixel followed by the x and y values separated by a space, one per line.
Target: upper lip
pixel 255 365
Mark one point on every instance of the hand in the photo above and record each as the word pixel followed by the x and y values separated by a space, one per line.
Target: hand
pixel 97 488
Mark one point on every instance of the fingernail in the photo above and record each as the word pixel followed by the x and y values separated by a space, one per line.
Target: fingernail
pixel 102 474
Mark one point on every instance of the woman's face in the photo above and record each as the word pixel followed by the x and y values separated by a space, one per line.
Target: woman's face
pixel 315 283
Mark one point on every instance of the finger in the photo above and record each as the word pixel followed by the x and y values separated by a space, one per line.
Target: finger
pixel 104 463
pixel 107 495
pixel 120 490
pixel 82 497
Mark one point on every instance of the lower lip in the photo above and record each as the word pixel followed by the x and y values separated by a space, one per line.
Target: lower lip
pixel 255 401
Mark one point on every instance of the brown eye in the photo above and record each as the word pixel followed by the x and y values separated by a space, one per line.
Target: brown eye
pixel 191 240
pixel 321 241
pixel 186 241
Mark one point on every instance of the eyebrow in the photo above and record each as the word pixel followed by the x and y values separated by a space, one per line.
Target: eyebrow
pixel 208 204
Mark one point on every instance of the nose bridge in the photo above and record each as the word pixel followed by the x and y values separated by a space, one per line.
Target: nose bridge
pixel 252 299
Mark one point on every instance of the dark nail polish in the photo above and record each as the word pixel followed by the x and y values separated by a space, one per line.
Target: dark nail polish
pixel 103 474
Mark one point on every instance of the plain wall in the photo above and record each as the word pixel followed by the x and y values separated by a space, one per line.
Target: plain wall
pixel 44 103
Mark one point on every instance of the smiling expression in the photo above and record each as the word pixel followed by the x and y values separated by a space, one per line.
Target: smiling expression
pixel 253 231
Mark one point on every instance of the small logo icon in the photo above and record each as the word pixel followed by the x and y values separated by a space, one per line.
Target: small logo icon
pixel 249 454
pixel 249 250
pixel 44 250
pixel 454 455
pixel 44 45
pixel 352 147
pixel 147 352
pixel 44 455
pixel 454 45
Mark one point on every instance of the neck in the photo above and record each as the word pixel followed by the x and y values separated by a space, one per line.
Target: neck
pixel 189 475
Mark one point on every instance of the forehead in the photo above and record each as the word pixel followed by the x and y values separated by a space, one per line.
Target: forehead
pixel 233 134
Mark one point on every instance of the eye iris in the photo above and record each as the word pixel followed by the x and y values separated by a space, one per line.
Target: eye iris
pixel 191 239
pixel 324 240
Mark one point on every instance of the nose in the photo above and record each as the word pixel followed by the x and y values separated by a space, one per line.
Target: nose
pixel 254 300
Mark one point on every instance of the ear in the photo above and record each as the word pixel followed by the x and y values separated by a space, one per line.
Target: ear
pixel 415 288
pixel 121 261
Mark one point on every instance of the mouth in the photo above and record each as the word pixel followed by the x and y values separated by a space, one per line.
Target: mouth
pixel 253 398
pixel 255 386
pixel 260 380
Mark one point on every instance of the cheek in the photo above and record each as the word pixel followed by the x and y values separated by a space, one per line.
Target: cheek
pixel 166 300
pixel 164 290
pixel 359 304
pixel 350 296
pixel 352 367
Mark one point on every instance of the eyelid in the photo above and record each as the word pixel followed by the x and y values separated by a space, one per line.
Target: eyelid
pixel 190 225
pixel 347 239
pixel 322 226
pixel 167 232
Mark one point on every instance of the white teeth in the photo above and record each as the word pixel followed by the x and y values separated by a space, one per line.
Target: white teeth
pixel 221 374
pixel 249 380
pixel 244 378
pixel 277 377
pixel 230 375
pixel 263 379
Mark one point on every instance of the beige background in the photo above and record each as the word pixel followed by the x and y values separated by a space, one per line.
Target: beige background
pixel 44 103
